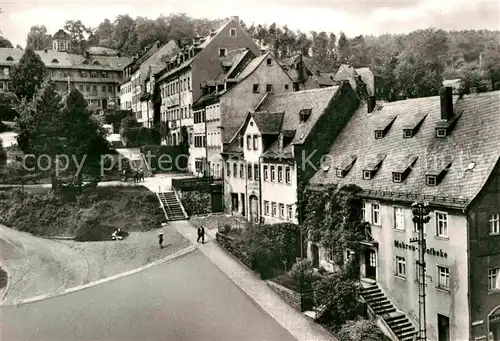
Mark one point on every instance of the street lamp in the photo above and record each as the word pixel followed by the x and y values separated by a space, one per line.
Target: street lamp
pixel 421 213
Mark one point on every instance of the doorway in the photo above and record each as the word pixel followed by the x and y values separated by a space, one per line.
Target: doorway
pixel 370 264
pixel 254 209
pixel 315 255
pixel 243 211
pixel 104 103
pixel 443 328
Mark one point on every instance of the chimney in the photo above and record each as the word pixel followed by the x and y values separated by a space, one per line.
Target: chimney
pixel 371 103
pixel 236 18
pixel 446 95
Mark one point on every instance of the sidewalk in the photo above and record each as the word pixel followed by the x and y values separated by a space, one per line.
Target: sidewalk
pixel 296 323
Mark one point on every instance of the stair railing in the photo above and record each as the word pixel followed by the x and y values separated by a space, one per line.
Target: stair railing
pixel 180 203
pixel 162 206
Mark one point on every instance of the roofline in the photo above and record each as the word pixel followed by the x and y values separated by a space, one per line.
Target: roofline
pixel 490 175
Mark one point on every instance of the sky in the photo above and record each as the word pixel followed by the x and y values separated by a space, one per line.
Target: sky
pixel 354 17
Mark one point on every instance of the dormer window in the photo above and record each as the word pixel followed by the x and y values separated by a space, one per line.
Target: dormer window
pixel 441 132
pixel 55 61
pixel 222 52
pixel 96 62
pixel 431 180
pixel 10 59
pixel 346 166
pixel 269 62
pixel 407 133
pixel 85 62
pixel 232 32
pixel 382 130
pixel 256 88
pixel 340 173
pixel 410 129
pixel 396 177
pixel 269 88
pixel 304 114
pixel 367 175
pixel 379 134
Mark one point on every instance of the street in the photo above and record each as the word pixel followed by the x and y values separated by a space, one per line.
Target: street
pixel 187 299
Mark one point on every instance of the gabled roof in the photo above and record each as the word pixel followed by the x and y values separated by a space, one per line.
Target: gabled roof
pixel 269 123
pixel 475 139
pixel 61 34
pixel 167 50
pixel 344 72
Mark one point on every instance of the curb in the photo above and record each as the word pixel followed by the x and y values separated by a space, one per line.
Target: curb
pixel 173 256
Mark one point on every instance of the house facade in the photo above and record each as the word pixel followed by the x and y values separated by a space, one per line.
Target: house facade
pixel 180 82
pixel 263 161
pixel 444 151
pixel 223 108
pixel 96 76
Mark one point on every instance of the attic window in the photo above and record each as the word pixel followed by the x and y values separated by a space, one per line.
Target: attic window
pixel 269 88
pixel 269 62
pixel 381 131
pixel 367 175
pixel 256 88
pixel 372 168
pixel 431 180
pixel 441 132
pixel 396 177
pixel 9 59
pixel 304 114
pixel 340 173
pixel 346 166
pixel 232 32
pixel 407 133
pixel 85 62
pixel 379 134
pixel 222 52
pixel 55 61
pixel 96 62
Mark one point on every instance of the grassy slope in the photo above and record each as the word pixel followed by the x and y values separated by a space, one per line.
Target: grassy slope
pixel 103 208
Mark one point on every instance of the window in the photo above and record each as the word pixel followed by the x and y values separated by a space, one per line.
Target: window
pixel 273 174
pixel 88 87
pixel 400 266
pixel 379 134
pixel 232 32
pixel 363 212
pixel 431 180
pixel 80 87
pixel 222 52
pixel 242 171
pixel 289 212
pixel 443 277
pixel 269 88
pixel 399 218
pixel 441 225
pixel 269 61
pixel 110 88
pixel 249 142
pixel 367 175
pixel 329 255
pixel 286 86
pixel 280 174
pixel 235 169
pixel 104 88
pixel 287 175
pixel 255 142
pixel 493 279
pixel 228 169
pixel 396 177
pixel 274 209
pixel 94 88
pixel 440 132
pixel 249 171
pixel 282 211
pixel 494 220
pixel 340 173
pixel 256 88
pixel 375 214
pixel 407 133
pixel 266 175
pixel 256 172
pixel 266 207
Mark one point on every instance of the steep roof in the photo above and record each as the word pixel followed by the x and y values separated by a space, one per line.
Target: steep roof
pixel 269 123
pixel 474 139
pixel 102 51
pixel 61 34
pixel 345 71
pixel 168 49
pixel 58 59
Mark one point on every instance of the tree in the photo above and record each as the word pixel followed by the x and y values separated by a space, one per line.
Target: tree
pixel 491 57
pixel 78 33
pixel 472 77
pixel 28 75
pixel 3 155
pixel 104 33
pixel 4 42
pixel 38 39
pixel 362 330
pixel 344 48
pixel 8 103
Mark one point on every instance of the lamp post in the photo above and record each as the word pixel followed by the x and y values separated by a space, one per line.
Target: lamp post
pixel 420 217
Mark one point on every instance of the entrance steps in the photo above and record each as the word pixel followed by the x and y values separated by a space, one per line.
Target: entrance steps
pixel 172 206
pixel 397 321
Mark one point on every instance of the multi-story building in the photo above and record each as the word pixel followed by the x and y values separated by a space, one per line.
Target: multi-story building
pixel 263 161
pixel 180 82
pixel 96 73
pixel 364 80
pixel 302 75
pixel 137 73
pixel 227 100
pixel 442 150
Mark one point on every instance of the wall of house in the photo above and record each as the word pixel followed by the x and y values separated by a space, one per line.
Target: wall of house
pixel 126 96
pixel 484 255
pixel 446 252
pixel 235 183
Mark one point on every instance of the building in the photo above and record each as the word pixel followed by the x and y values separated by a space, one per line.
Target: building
pixel 180 82
pixel 227 100
pixel 443 150
pixel 364 80
pixel 302 75
pixel 95 75
pixel 263 161
pixel 137 73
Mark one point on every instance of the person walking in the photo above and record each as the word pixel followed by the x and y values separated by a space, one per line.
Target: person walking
pixel 201 234
pixel 141 175
pixel 124 175
pixel 160 239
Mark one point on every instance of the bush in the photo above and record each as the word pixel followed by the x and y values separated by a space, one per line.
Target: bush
pixel 3 155
pixel 196 202
pixel 362 330
pixel 303 269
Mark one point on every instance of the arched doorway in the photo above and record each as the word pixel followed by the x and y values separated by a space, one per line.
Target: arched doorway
pixel 494 325
pixel 254 209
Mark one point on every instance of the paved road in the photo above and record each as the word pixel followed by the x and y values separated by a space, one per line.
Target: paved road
pixel 188 299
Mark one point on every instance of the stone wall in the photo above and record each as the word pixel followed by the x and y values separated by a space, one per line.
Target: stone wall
pixel 289 296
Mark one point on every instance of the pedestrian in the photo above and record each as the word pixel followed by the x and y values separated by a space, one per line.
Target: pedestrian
pixel 201 234
pixel 160 239
pixel 124 175
pixel 141 174
pixel 135 175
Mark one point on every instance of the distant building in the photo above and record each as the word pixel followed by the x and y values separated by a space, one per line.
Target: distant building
pixel 443 150
pixel 302 75
pixel 363 80
pixel 96 76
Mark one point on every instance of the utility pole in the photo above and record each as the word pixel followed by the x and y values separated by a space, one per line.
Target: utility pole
pixel 420 217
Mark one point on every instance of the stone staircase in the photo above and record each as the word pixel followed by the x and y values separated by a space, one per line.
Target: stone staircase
pixel 172 206
pixel 397 321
